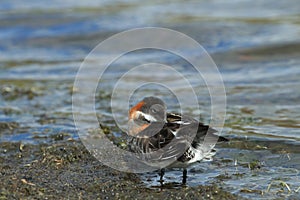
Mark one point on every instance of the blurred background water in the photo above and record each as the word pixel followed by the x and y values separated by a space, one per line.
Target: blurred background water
pixel 256 46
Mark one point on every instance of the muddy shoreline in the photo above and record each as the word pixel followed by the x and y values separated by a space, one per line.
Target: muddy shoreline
pixel 65 170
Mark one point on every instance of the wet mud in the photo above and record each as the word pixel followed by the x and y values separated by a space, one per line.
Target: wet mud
pixel 65 170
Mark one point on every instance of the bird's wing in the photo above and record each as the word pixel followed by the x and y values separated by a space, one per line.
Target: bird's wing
pixel 159 148
pixel 182 124
pixel 179 119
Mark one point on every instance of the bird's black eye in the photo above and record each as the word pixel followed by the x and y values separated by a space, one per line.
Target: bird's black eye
pixel 153 110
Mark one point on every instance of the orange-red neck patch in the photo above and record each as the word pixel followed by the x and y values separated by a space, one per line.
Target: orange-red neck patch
pixel 134 109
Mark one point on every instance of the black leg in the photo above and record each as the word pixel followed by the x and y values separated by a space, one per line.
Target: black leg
pixel 161 173
pixel 184 176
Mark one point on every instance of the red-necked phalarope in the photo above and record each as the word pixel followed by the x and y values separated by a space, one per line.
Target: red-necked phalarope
pixel 153 129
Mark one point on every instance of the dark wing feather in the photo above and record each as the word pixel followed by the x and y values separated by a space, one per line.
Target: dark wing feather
pixel 186 124
pixel 162 146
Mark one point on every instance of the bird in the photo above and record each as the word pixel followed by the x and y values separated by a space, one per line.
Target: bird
pixel 166 136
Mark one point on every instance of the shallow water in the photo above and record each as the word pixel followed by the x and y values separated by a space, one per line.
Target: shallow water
pixel 257 51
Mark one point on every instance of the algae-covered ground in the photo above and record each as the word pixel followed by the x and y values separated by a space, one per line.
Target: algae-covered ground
pixel 65 170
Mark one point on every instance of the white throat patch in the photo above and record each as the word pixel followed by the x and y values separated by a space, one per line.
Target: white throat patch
pixel 146 116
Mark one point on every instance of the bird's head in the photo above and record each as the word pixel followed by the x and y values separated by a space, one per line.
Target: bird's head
pixel 150 109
